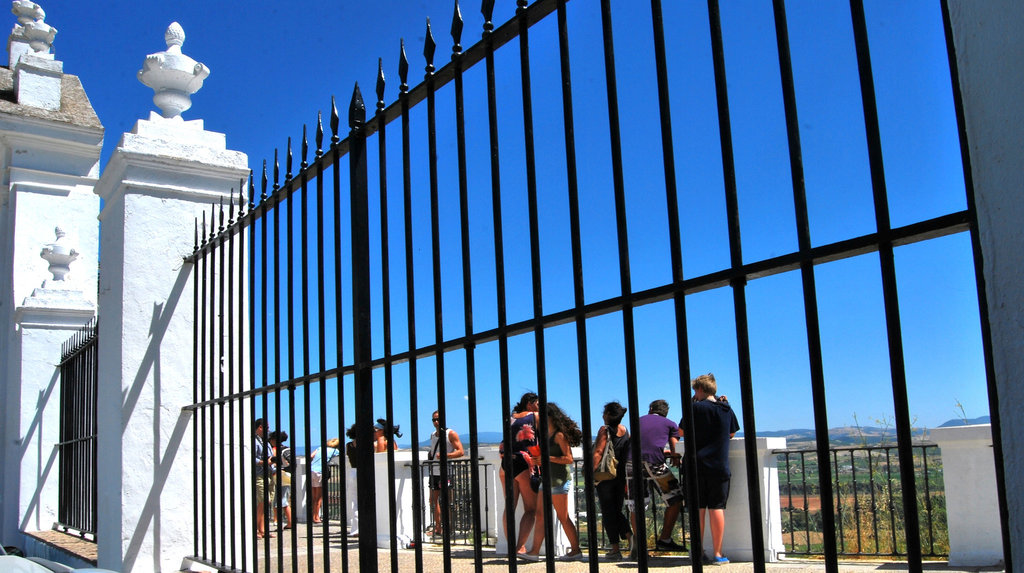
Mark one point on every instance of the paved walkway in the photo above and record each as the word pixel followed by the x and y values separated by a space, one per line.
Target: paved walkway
pixel 463 562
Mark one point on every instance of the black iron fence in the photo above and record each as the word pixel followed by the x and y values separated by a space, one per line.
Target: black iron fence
pixel 307 295
pixel 76 507
pixel 868 501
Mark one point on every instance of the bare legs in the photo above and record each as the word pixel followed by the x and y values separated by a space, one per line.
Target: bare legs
pixel 318 499
pixel 717 519
pixel 529 509
pixel 560 502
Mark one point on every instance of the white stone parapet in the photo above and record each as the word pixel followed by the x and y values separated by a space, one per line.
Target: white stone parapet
pixel 972 508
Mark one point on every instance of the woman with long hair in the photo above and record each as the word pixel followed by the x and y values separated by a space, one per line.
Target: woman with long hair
pixel 562 435
pixel 525 454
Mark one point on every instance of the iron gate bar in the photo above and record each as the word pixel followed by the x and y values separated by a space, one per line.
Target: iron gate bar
pixel 429 47
pixel 490 43
pixel 889 289
pixel 201 414
pixel 338 313
pixel 229 431
pixel 738 288
pixel 679 300
pixel 321 326
pixel 572 188
pixel 386 308
pixel 979 280
pixel 625 286
pixel 220 380
pixel 410 295
pixel 536 278
pixel 361 333
pixel 467 297
pixel 809 285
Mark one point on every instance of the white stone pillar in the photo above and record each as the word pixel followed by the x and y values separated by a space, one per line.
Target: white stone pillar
pixel 988 44
pixel 161 177
pixel 737 543
pixel 972 508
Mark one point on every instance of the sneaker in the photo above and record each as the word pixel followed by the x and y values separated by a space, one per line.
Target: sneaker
pixel 720 560
pixel 577 556
pixel 613 555
pixel 668 545
pixel 529 557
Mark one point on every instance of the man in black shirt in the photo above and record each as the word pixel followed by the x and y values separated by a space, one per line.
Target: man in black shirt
pixel 714 424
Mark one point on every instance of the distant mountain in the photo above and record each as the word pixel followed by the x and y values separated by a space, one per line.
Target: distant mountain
pixel 970 422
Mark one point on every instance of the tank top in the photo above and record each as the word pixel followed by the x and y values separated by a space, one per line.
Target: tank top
pixel 559 472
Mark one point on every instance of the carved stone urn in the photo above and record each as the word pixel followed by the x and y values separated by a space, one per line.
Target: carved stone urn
pixel 173 76
pixel 60 255
pixel 39 34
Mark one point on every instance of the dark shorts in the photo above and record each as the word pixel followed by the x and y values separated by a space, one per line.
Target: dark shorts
pixel 664 481
pixel 435 483
pixel 713 491
pixel 519 464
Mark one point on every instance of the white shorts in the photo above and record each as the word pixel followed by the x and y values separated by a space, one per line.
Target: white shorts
pixel 315 479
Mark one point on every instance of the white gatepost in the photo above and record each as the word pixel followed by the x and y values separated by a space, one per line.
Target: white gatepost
pixel 50 142
pixel 972 507
pixel 158 181
pixel 45 321
pixel 737 542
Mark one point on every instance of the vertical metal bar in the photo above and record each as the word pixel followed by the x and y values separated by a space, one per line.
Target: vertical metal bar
pixel 220 381
pixel 263 337
pixel 856 498
pixel 679 300
pixel 535 267
pixel 226 353
pixel 803 483
pixel 246 332
pixel 979 281
pixel 839 502
pixel 889 288
pixel 467 311
pixel 361 324
pixel 928 502
pixel 789 492
pixel 738 289
pixel 487 9
pixel 195 397
pixel 277 330
pixel 818 397
pixel 321 298
pixel 339 318
pixel 639 483
pixel 874 509
pixel 385 266
pixel 211 444
pixel 891 499
pixel 201 412
pixel 579 299
pixel 435 259
pixel 410 299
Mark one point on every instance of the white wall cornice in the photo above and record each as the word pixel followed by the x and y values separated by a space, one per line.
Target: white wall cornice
pixel 65 133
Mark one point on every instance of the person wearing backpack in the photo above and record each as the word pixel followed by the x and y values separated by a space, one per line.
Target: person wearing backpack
pixel 611 491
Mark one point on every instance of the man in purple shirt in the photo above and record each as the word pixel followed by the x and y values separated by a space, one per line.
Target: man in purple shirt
pixel 657 432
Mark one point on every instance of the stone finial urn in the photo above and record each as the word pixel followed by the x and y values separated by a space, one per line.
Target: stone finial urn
pixel 173 76
pixel 60 255
pixel 31 26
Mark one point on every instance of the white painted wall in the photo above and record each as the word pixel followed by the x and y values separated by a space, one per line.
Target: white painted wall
pixel 989 46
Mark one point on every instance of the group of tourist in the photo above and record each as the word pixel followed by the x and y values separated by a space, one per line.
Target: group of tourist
pixel 714 424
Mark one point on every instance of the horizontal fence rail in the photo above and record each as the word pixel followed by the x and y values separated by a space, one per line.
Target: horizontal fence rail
pixel 372 275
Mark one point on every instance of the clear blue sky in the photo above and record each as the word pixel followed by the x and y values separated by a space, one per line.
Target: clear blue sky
pixel 274 65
